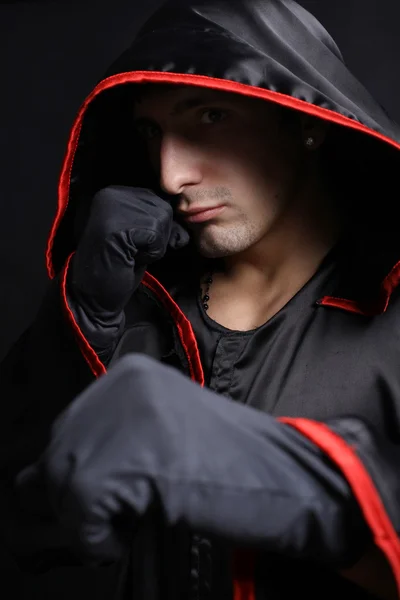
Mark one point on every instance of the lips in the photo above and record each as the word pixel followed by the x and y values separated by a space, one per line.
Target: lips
pixel 201 215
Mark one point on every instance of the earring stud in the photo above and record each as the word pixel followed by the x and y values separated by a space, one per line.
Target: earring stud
pixel 309 142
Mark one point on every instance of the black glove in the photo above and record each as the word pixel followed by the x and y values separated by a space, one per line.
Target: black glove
pixel 144 436
pixel 128 229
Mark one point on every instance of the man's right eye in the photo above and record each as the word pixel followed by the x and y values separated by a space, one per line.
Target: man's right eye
pixel 147 131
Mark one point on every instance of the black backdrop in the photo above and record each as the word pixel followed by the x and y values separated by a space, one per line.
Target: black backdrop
pixel 52 55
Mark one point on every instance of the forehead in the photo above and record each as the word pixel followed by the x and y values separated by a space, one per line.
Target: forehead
pixel 150 97
pixel 148 91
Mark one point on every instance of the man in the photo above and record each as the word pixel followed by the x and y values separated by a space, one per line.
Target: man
pixel 224 219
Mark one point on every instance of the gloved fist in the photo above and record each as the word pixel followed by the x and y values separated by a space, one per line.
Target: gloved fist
pixel 128 229
pixel 145 438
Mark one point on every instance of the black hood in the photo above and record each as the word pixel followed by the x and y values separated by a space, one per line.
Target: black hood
pixel 270 49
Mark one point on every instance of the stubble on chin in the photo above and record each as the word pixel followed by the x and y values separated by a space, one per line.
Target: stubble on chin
pixel 215 241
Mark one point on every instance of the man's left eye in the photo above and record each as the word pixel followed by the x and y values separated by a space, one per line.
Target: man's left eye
pixel 213 115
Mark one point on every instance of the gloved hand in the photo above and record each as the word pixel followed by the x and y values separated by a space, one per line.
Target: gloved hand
pixel 144 437
pixel 128 229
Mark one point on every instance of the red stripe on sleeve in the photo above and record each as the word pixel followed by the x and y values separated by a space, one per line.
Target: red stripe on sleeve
pixel 362 485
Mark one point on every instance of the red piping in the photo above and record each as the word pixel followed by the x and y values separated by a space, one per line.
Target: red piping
pixel 185 330
pixel 348 305
pixel 363 488
pixel 197 80
pixel 390 282
pixel 244 575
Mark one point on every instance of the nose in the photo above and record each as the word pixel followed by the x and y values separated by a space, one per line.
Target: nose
pixel 180 164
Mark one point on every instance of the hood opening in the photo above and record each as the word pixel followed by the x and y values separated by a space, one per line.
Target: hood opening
pixel 360 165
pixel 274 50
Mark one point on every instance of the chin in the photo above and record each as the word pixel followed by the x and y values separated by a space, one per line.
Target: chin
pixel 216 249
pixel 217 242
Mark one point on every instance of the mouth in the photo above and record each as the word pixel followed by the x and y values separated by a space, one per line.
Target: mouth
pixel 200 216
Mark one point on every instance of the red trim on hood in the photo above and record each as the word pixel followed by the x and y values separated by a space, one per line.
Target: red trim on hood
pixel 89 354
pixel 196 80
pixel 362 485
pixel 185 330
pixel 390 282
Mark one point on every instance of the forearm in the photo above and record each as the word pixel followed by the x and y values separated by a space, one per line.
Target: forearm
pixel 299 488
pixel 281 495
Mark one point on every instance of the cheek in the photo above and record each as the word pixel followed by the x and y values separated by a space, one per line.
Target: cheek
pixel 255 155
pixel 255 168
pixel 256 174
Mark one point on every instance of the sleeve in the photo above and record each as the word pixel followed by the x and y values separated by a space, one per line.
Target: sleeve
pixel 368 461
pixel 303 489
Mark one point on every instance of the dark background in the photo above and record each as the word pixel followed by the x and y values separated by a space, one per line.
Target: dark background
pixel 52 55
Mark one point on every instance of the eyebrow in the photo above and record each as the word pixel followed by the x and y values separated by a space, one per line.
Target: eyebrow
pixel 183 106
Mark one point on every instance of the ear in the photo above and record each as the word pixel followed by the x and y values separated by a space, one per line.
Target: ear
pixel 313 131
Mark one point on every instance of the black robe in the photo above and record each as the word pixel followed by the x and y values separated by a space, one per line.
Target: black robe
pixel 332 371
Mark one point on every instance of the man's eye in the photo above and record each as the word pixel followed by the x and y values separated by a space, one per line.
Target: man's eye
pixel 148 131
pixel 213 115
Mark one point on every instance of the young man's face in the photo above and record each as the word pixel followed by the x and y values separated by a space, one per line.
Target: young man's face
pixel 214 149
